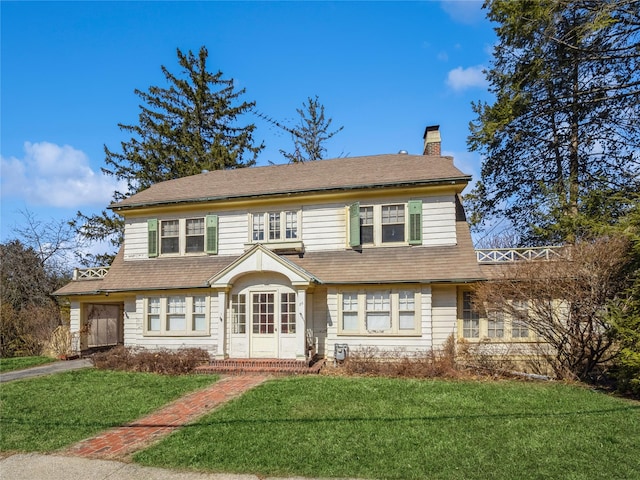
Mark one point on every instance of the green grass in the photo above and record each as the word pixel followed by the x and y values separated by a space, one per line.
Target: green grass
pixel 48 413
pixel 409 429
pixel 20 363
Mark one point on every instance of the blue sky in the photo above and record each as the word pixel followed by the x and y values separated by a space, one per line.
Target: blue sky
pixel 383 70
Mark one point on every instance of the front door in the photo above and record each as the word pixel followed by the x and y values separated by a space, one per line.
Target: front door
pixel 264 328
pixel 103 325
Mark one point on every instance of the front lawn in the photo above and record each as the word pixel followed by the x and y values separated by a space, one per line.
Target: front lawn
pixel 20 363
pixel 410 429
pixel 48 413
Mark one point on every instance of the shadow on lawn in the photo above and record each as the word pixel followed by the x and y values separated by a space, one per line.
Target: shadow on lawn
pixel 6 423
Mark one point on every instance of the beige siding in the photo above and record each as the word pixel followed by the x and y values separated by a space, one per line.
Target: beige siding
pixel 74 317
pixel 232 228
pixel 379 344
pixel 439 220
pixel 319 320
pixel 445 308
pixel 134 331
pixel 135 233
pixel 426 316
pixel 324 227
pixel 233 232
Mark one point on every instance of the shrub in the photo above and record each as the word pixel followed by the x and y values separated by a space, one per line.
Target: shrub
pixel 438 363
pixel 27 331
pixel 166 362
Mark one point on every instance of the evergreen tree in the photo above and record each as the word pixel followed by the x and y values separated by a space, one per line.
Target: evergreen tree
pixel 566 76
pixel 190 126
pixel 310 134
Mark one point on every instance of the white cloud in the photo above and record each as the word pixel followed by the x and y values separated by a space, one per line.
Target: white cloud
pixel 55 176
pixel 464 11
pixel 464 78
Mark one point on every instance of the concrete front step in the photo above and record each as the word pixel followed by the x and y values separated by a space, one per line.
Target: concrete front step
pixel 271 366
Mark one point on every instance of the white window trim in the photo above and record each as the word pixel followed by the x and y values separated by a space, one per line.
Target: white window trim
pixel 204 235
pixel 283 227
pixel 483 328
pixel 164 310
pixel 161 222
pixel 234 323
pixel 395 330
pixel 182 237
pixel 377 224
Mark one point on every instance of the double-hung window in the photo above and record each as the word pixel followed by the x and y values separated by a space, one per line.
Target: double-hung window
pixel 291 225
pixel 392 223
pixel 519 327
pixel 177 315
pixel 470 317
pixel 258 228
pixel 495 325
pixel 195 235
pixel 350 312
pixel 407 310
pixel 275 226
pixel 385 224
pixel 169 236
pixel 379 312
pixel 366 225
pixel 182 236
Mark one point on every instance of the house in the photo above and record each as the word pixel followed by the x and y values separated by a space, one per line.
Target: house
pixel 289 260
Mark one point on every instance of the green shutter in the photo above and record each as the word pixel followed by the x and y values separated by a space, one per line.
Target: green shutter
pixel 415 222
pixel 212 234
pixel 354 225
pixel 152 229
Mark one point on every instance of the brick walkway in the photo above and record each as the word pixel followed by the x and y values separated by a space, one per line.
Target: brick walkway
pixel 122 441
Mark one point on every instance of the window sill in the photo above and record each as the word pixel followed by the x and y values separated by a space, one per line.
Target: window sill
pixel 295 246
pixel 489 341
pixel 176 334
pixel 390 334
pixel 385 245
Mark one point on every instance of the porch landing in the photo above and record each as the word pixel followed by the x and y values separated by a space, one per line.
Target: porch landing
pixel 261 366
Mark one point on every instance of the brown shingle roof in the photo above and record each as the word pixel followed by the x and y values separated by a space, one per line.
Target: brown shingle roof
pixel 157 273
pixel 456 263
pixel 324 175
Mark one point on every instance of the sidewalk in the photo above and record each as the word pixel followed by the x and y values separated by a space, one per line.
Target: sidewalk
pixel 101 457
pixel 33 466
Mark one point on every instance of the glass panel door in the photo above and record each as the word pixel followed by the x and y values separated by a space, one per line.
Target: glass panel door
pixel 263 313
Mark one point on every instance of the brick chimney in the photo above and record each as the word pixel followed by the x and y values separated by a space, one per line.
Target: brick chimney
pixel 432 140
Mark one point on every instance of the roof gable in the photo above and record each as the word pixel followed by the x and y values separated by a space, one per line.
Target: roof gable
pixel 261 259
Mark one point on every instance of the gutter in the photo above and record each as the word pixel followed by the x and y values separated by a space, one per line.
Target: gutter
pixel 450 181
pixel 408 282
pixel 314 278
